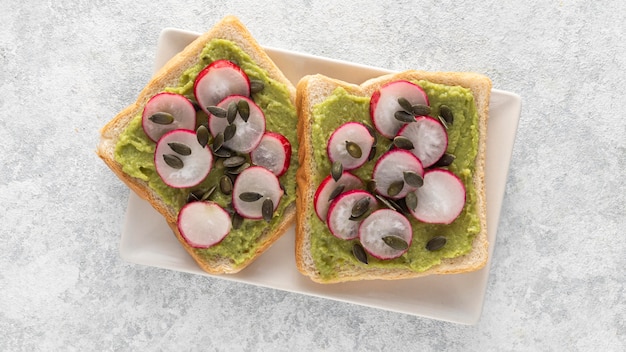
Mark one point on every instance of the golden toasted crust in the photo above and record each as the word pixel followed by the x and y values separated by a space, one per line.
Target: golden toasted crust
pixel 315 89
pixel 229 28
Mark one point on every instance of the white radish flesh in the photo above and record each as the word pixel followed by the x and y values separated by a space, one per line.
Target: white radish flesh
pixel 441 199
pixel 273 153
pixel 382 223
pixel 339 219
pixel 203 224
pixel 248 133
pixel 391 168
pixel 429 138
pixel 348 139
pixel 384 104
pixel 326 188
pixel 195 166
pixel 218 80
pixel 258 180
pixel 172 107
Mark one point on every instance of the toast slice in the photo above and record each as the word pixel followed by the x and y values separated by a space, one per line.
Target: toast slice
pixel 324 104
pixel 128 152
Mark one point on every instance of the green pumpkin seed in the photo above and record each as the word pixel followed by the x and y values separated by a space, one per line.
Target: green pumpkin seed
pixel 395 188
pixel 389 203
pixel 267 210
pixel 162 118
pixel 404 116
pixel 359 253
pixel 202 134
pixel 229 132
pixel 226 185
pixel 206 195
pixel 244 110
pixel 405 104
pixel 370 186
pixel 420 110
pixel 413 179
pixel 372 153
pixel 353 149
pixel 445 160
pixel 395 242
pixel 443 121
pixel 218 141
pixel 222 152
pixel 411 200
pixel 236 220
pixel 216 111
pixel 360 208
pixel 194 196
pixel 336 192
pixel 250 196
pixel 256 86
pixel 436 243
pixel 402 142
pixel 336 170
pixel 180 148
pixel 234 161
pixel 238 170
pixel 231 112
pixel 446 113
pixel 173 161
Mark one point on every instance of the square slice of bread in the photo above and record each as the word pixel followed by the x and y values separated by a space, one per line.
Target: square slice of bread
pixel 231 29
pixel 315 89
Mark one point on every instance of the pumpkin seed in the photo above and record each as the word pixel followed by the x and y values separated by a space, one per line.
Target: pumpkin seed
pixel 395 188
pixel 256 86
pixel 216 111
pixel 359 253
pixel 193 102
pixel 234 161
pixel 370 186
pixel 411 200
pixel 443 121
pixel 336 192
pixel 218 141
pixel 226 185
pixel 162 118
pixel 404 116
pixel 231 112
pixel 436 243
pixel 420 110
pixel 372 153
pixel 250 196
pixel 353 149
pixel 238 170
pixel 222 152
pixel 359 208
pixel 244 110
pixel 446 113
pixel 236 220
pixel 173 161
pixel 413 179
pixel 180 148
pixel 405 104
pixel 336 170
pixel 388 203
pixel 194 196
pixel 229 132
pixel 202 134
pixel 402 142
pixel 445 160
pixel 267 210
pixel 206 195
pixel 395 242
pixel 371 130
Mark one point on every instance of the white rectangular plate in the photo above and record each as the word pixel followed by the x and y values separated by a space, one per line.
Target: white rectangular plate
pixel 147 240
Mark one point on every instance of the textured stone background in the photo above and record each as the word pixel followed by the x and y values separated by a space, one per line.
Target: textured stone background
pixel 557 279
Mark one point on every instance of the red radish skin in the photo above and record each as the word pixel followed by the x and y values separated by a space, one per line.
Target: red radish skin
pixel 384 104
pixel 218 80
pixel 273 153
pixel 203 224
pixel 248 133
pixel 181 109
pixel 441 199
pixel 260 180
pixel 354 132
pixel 196 167
pixel 391 167
pixel 384 222
pixel 429 138
pixel 339 212
pixel 321 199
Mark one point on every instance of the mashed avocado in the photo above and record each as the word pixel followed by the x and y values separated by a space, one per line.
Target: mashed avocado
pixel 135 151
pixel 331 253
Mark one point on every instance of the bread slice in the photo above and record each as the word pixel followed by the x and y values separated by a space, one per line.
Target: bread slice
pixel 315 89
pixel 231 29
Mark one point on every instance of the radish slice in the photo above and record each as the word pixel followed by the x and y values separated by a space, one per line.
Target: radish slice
pixel 273 153
pixel 260 181
pixel 384 104
pixel 165 112
pixel 350 144
pixel 440 199
pixel 386 234
pixel 391 171
pixel 180 169
pixel 429 138
pixel 248 133
pixel 203 224
pixel 218 80
pixel 322 200
pixel 342 220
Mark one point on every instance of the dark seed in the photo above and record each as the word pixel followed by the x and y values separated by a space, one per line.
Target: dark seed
pixel 411 200
pixel 162 118
pixel 443 121
pixel 404 116
pixel 193 102
pixel 420 110
pixel 360 207
pixel 202 134
pixel 218 141
pixel 413 179
pixel 194 196
pixel 359 253
pixel 371 130
pixel 173 161
pixel 395 242
pixel 222 152
pixel 208 193
pixel 236 220
pixel 405 104
pixel 226 184
pixel 395 188
pixel 436 243
pixel 180 148
pixel 372 153
pixel 445 160
pixel 446 113
pixel 234 161
pixel 267 210
pixel 216 111
pixel 402 142
pixel 353 149
pixel 244 110
pixel 229 132
pixel 238 170
pixel 250 196
pixel 336 192
pixel 388 203
pixel 370 186
pixel 256 86
pixel 231 113
pixel 336 170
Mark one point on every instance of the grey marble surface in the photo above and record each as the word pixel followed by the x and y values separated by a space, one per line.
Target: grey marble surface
pixel 558 271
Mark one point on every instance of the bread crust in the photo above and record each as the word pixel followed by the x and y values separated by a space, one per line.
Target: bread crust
pixel 229 28
pixel 314 89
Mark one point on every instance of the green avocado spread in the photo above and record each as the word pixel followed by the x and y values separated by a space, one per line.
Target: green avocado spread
pixel 135 151
pixel 332 254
